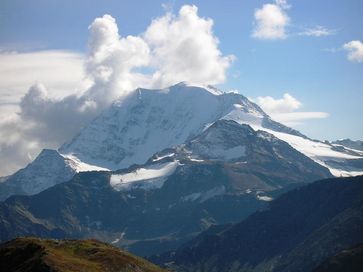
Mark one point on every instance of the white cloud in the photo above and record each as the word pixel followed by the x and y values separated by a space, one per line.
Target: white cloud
pixel 284 110
pixel 174 48
pixel 355 50
pixel 185 48
pixel 294 119
pixel 111 61
pixel 16 150
pixel 271 21
pixel 271 105
pixel 317 31
pixel 61 70
pixel 47 120
pixel 283 4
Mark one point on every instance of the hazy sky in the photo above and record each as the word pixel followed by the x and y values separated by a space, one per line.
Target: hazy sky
pixel 302 61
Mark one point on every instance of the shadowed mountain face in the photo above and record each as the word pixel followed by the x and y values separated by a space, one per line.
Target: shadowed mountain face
pixel 350 259
pixel 221 176
pixel 33 254
pixel 298 232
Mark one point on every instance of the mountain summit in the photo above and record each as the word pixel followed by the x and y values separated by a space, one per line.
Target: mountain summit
pixel 148 121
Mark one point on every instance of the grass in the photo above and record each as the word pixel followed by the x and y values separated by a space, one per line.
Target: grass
pixel 69 256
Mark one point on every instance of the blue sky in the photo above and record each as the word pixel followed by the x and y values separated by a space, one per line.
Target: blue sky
pixel 314 70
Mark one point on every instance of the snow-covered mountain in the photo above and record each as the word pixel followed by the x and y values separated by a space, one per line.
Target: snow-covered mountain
pixel 145 122
pixel 340 161
pixel 175 162
pixel 148 121
pixel 241 150
pixel 220 176
pixel 48 169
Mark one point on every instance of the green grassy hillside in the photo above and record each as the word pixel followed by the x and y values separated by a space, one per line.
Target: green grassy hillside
pixel 34 254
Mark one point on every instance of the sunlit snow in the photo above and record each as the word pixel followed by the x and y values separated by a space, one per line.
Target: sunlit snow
pixel 148 178
pixel 317 151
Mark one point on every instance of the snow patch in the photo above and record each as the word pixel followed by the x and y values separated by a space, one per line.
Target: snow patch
pixel 118 239
pixel 243 115
pixel 150 177
pixel 195 160
pixel 163 157
pixel 264 198
pixel 80 166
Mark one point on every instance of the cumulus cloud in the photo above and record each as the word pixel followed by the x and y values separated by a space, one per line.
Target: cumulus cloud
pixel 271 21
pixel 287 103
pixel 111 61
pixel 317 31
pixel 285 109
pixel 41 122
pixel 355 51
pixel 173 48
pixel 185 48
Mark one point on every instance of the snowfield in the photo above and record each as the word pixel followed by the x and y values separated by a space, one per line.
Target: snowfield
pixel 80 166
pixel 147 178
pixel 317 151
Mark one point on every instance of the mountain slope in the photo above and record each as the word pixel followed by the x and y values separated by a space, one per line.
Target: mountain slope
pixel 221 176
pixel 293 235
pixel 34 254
pixel 350 259
pixel 149 121
pixel 152 120
pixel 340 161
pixel 48 169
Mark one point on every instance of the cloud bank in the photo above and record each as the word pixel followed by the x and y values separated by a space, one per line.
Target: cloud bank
pixel 173 48
pixel 60 69
pixel 284 110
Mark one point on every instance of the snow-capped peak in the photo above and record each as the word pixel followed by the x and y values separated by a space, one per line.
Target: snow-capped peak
pixel 148 121
pixel 191 85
